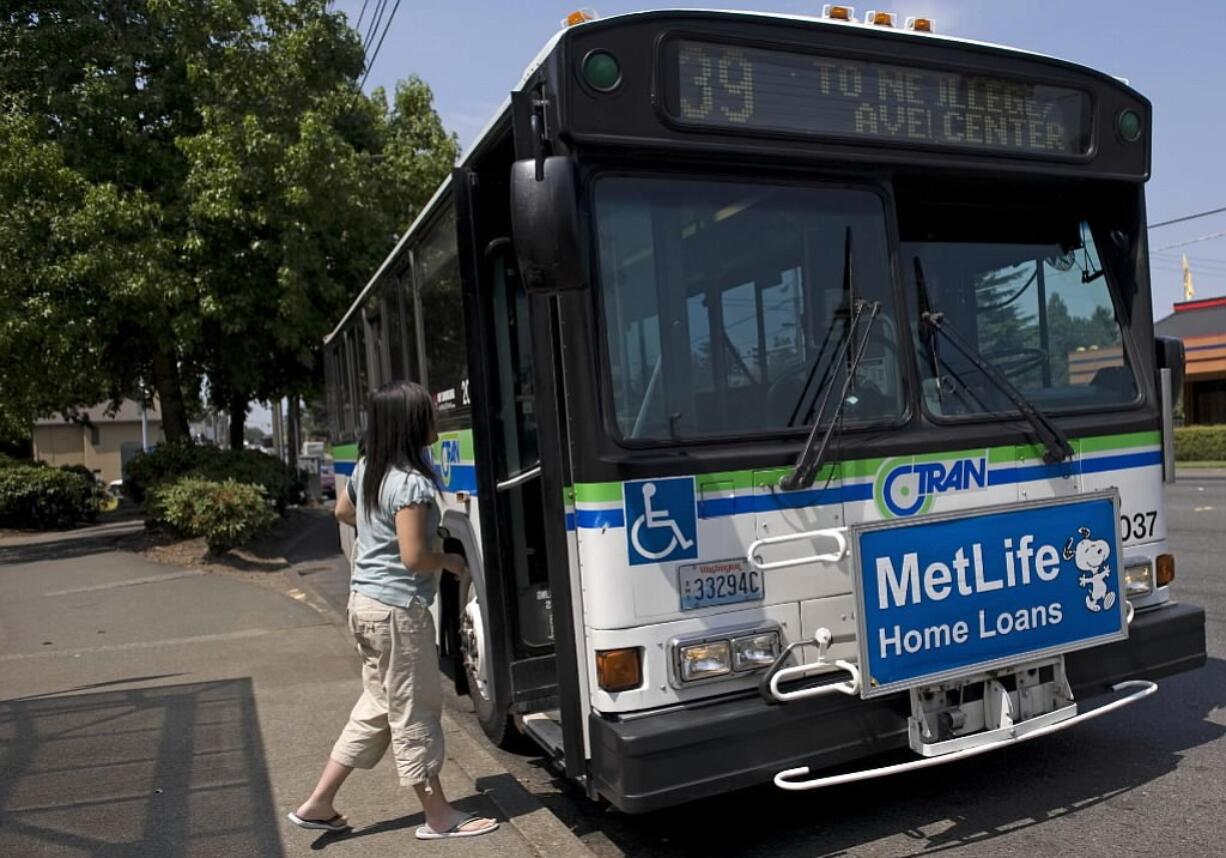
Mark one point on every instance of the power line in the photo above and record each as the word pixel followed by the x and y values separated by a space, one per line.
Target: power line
pixel 376 18
pixel 361 15
pixel 370 65
pixel 1209 237
pixel 1188 217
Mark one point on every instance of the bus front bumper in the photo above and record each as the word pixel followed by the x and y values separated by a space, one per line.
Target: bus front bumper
pixel 682 755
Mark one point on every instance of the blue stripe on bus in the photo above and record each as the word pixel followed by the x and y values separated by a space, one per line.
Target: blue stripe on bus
pixel 463 479
pixel 597 518
pixel 1030 473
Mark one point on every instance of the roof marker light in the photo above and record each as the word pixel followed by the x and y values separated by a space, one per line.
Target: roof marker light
pixel 579 16
pixel 921 25
pixel 839 13
pixel 880 19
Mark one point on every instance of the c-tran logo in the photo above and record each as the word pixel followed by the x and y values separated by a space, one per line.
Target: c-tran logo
pixel 904 487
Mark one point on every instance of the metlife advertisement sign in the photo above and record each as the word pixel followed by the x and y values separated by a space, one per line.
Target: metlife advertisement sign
pixel 946 596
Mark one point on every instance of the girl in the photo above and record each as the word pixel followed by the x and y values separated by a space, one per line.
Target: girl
pixel 390 498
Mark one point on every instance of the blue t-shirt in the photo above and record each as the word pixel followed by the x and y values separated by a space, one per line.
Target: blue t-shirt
pixel 378 571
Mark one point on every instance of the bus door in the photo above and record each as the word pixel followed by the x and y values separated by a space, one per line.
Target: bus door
pixel 515 671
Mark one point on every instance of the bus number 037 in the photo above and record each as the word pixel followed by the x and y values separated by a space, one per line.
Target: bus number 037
pixel 1138 526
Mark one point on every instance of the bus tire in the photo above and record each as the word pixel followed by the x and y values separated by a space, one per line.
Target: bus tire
pixel 478 669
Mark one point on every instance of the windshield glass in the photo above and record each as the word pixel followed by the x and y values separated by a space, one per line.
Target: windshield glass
pixel 726 304
pixel 1028 290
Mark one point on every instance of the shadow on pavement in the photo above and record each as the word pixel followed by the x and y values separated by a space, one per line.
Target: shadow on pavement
pixel 963 804
pixel 166 771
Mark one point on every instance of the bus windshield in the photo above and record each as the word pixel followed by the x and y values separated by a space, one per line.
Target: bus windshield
pixel 726 304
pixel 1028 290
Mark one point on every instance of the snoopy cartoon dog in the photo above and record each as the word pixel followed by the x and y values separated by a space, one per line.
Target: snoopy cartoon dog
pixel 1091 555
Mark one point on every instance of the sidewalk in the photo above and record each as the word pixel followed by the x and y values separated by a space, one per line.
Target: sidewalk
pixel 154 710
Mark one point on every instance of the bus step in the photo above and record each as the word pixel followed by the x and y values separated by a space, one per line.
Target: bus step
pixel 545 731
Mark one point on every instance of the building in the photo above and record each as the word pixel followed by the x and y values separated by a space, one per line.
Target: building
pixel 1202 327
pixel 101 442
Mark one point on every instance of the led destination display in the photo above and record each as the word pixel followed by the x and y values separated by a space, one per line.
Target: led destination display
pixel 758 89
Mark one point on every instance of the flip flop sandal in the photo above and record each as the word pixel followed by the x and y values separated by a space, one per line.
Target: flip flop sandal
pixel 336 823
pixel 428 833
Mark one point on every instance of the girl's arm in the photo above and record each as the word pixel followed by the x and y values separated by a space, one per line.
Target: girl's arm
pixel 414 544
pixel 345 511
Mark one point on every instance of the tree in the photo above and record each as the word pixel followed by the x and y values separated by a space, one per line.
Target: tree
pixel 206 189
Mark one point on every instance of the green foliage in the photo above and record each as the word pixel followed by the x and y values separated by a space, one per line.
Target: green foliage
pixel 32 496
pixel 173 460
pixel 1200 444
pixel 191 190
pixel 80 470
pixel 227 513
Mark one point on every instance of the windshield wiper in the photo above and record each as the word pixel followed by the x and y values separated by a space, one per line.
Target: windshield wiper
pixel 813 455
pixel 1053 438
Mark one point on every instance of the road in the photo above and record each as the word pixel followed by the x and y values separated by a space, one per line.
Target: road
pixel 1144 781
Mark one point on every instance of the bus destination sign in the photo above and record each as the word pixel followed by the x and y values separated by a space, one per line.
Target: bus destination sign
pixel 756 89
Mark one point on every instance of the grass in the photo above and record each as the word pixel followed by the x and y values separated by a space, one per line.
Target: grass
pixel 1203 464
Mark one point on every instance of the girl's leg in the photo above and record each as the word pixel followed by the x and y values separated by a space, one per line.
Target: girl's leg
pixel 440 815
pixel 319 806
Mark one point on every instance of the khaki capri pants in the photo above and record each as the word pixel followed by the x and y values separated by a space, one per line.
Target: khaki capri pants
pixel 402 697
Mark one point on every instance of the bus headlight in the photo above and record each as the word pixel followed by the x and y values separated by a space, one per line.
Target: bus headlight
pixel 705 660
pixel 751 653
pixel 1138 580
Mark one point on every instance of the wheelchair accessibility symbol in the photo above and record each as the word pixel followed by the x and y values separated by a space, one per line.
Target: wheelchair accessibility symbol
pixel 661 520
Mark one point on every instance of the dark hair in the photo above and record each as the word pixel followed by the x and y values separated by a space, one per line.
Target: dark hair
pixel 399 427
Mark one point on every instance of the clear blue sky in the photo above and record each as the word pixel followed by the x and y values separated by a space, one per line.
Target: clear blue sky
pixel 472 53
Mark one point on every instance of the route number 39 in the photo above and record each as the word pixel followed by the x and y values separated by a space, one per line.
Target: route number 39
pixel 1138 526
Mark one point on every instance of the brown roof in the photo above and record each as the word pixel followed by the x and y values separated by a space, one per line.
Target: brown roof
pixel 1194 319
pixel 129 412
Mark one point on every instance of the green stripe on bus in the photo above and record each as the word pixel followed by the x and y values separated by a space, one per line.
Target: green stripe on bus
pixel 1101 443
pixel 598 492
pixel 345 452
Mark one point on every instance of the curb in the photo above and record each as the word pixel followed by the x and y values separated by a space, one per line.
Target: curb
pixel 544 833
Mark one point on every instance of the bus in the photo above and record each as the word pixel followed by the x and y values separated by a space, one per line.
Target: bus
pixel 801 417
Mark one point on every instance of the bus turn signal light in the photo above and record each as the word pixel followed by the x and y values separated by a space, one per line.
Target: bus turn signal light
pixel 921 25
pixel 619 669
pixel 880 19
pixel 1164 569
pixel 839 13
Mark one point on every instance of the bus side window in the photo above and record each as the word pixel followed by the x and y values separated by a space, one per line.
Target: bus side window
pixel 437 277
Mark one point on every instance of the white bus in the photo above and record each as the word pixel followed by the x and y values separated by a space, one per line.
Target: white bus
pixel 799 401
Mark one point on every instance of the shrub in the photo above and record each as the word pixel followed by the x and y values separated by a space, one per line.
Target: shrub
pixel 1200 443
pixel 79 469
pixel 226 514
pixel 173 460
pixel 45 498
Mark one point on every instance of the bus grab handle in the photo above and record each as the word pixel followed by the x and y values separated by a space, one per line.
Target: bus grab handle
pixel 838 534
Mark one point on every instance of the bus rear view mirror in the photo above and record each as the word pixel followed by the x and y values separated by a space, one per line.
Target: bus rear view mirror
pixel 545 224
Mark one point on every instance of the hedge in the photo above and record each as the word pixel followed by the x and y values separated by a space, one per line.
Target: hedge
pixel 226 514
pixel 1200 444
pixel 173 460
pixel 35 496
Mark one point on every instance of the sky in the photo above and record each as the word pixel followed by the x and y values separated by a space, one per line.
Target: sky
pixel 472 53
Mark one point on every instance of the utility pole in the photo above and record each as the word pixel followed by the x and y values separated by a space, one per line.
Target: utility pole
pixel 278 445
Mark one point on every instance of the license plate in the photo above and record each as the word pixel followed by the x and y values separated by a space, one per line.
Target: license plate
pixel 721 582
pixel 942 597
